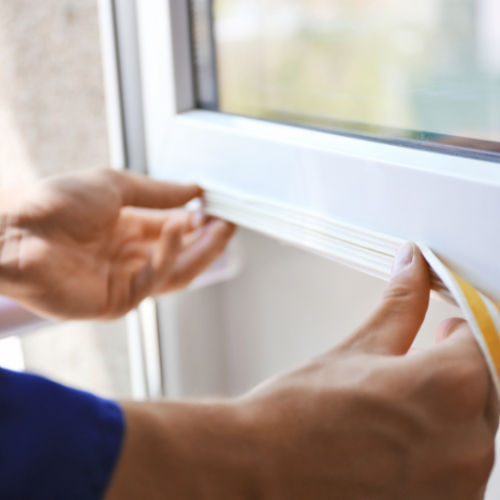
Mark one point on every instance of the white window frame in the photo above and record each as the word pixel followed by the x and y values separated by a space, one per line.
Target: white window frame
pixel 450 203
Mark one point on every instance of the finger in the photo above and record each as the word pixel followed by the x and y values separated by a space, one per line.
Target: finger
pixel 393 326
pixel 459 344
pixel 168 249
pixel 139 191
pixel 194 259
pixel 460 360
pixel 162 260
pixel 446 328
pixel 152 221
pixel 195 233
pixel 492 408
pixel 443 332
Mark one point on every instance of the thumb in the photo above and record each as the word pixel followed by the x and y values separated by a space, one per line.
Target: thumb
pixel 394 324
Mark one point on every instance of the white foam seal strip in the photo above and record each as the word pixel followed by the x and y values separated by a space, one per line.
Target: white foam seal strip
pixel 363 249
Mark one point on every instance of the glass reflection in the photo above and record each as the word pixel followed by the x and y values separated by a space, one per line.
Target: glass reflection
pixel 427 70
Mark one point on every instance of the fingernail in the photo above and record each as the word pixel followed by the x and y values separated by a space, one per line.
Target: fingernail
pixel 403 258
pixel 197 219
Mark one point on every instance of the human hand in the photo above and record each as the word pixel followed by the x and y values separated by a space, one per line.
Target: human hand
pixel 362 421
pixel 366 421
pixel 94 244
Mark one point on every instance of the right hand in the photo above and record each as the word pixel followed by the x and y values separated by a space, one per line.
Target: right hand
pixel 365 421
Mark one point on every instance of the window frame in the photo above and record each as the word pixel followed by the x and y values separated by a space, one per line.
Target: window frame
pixel 447 202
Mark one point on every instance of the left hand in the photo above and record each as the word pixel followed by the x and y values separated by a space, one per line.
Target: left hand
pixel 94 244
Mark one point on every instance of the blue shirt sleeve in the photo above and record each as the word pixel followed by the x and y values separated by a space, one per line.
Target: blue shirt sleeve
pixel 56 443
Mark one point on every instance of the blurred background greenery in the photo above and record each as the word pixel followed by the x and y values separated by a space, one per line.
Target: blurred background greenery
pixel 419 70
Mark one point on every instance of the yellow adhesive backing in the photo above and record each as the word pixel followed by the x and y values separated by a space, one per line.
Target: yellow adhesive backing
pixel 481 313
pixel 483 318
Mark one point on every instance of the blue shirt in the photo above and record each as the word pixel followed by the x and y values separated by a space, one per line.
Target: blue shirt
pixel 56 443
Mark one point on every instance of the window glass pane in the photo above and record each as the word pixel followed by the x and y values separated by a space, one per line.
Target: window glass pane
pixel 427 70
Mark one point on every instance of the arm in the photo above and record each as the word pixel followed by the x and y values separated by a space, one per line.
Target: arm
pixel 361 421
pixel 86 245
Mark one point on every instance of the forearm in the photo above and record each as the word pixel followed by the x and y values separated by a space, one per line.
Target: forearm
pixel 186 451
